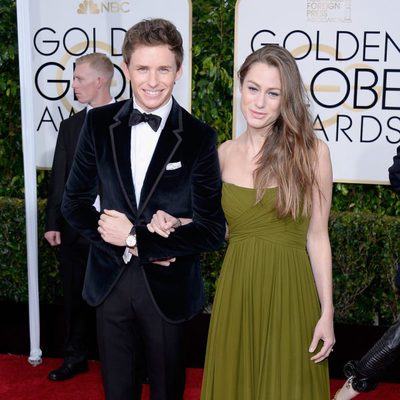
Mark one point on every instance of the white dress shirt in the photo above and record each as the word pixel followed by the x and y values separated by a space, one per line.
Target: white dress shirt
pixel 143 143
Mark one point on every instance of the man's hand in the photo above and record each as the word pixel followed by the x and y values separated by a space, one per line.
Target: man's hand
pixel 114 227
pixel 53 237
pixel 163 263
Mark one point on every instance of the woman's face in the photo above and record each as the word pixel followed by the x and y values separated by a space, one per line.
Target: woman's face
pixel 261 96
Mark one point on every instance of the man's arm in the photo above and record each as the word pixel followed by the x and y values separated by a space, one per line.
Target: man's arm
pixel 59 175
pixel 58 178
pixel 394 172
pixel 80 193
pixel 206 232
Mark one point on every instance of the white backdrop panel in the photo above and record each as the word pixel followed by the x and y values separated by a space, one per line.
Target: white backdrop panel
pixel 61 31
pixel 348 52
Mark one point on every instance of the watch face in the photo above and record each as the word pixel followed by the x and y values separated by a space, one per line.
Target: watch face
pixel 131 241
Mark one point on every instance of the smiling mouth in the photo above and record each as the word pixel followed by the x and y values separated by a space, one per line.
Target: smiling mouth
pixel 152 93
pixel 258 114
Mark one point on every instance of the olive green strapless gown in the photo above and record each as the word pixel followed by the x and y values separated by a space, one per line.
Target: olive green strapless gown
pixel 265 308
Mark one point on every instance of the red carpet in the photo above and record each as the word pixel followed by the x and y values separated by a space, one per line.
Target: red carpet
pixel 20 381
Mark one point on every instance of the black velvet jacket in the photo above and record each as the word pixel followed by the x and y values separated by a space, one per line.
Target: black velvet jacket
pixel 192 190
pixel 67 140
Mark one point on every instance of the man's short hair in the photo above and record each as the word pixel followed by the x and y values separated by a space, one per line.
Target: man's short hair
pixel 99 62
pixel 153 32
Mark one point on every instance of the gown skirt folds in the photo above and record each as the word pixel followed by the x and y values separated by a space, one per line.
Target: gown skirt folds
pixel 265 309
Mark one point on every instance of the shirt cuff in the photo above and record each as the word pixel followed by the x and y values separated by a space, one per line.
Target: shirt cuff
pixel 127 255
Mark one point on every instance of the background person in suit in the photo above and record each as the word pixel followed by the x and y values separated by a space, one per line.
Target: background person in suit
pixel 394 172
pixel 91 83
pixel 147 154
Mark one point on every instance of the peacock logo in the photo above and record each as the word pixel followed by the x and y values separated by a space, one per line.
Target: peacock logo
pixel 99 7
pixel 88 7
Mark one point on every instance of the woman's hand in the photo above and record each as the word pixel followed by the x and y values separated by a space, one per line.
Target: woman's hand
pixel 163 223
pixel 323 331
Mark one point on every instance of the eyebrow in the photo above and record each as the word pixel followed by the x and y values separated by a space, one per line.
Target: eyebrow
pixel 256 84
pixel 253 83
pixel 146 66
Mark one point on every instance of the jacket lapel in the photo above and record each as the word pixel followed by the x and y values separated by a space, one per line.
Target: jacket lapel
pixel 120 134
pixel 167 144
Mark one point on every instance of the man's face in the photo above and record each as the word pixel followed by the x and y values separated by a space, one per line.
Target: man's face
pixel 152 71
pixel 86 83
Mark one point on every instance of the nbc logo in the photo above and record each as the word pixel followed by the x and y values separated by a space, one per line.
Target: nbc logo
pixel 88 7
pixel 92 7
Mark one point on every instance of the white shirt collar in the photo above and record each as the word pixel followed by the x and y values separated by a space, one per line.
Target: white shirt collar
pixel 89 107
pixel 162 112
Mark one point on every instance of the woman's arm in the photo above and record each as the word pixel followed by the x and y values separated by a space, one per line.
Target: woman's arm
pixel 163 223
pixel 319 251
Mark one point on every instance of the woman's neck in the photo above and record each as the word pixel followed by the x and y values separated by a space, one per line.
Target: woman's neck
pixel 254 141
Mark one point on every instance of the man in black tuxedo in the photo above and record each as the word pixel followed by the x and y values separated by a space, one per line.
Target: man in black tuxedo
pixel 147 154
pixel 91 83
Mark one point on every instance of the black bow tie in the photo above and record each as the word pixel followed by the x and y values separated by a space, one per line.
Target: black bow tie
pixel 137 117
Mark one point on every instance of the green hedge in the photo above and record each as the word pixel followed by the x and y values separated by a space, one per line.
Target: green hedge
pixel 365 250
pixel 13 264
pixel 365 253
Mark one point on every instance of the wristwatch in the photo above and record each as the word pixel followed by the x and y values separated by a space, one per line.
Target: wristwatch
pixel 131 239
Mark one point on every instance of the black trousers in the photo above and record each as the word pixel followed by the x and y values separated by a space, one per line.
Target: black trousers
pixel 130 329
pixel 78 315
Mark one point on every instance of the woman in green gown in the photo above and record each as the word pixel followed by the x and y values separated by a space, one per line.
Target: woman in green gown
pixel 272 319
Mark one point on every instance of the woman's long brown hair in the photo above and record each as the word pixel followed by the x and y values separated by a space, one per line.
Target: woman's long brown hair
pixel 289 153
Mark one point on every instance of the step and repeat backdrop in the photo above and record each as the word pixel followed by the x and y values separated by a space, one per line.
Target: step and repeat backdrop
pixel 61 31
pixel 348 52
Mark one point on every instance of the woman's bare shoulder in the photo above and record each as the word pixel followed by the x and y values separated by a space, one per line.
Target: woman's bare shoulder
pixel 226 151
pixel 322 148
pixel 229 146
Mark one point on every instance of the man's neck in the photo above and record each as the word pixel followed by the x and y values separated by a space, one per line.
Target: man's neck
pixel 101 101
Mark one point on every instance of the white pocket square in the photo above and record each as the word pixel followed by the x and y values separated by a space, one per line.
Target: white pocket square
pixel 173 165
